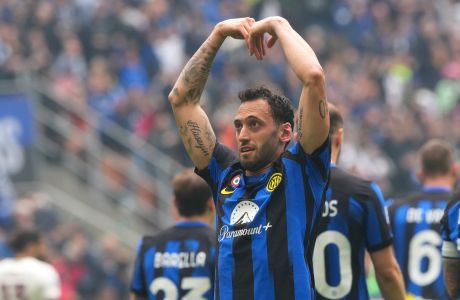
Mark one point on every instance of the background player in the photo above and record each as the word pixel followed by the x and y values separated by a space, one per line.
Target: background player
pixel 415 221
pixel 451 246
pixel 26 276
pixel 178 262
pixel 268 199
pixel 353 220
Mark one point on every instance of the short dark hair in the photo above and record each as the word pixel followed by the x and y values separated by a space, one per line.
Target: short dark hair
pixel 191 192
pixel 436 157
pixel 281 107
pixel 336 119
pixel 21 239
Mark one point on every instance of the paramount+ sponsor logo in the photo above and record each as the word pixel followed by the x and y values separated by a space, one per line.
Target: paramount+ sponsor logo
pixel 243 213
pixel 226 233
pixel 274 181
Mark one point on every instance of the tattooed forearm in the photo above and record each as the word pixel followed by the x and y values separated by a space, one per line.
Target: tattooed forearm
pixel 299 124
pixel 196 73
pixel 196 132
pixel 323 109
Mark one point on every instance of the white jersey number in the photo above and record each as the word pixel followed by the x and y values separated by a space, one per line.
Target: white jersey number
pixel 198 286
pixel 424 244
pixel 319 265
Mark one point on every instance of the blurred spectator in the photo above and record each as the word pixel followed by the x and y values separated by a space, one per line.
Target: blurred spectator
pixel 27 275
pixel 381 58
pixel 87 269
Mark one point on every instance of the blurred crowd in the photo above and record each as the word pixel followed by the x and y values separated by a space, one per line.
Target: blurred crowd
pixel 89 266
pixel 392 67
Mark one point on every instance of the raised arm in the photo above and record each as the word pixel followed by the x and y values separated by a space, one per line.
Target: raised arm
pixel 194 126
pixel 313 115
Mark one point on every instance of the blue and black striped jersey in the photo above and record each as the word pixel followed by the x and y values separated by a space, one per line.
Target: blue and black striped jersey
pixel 416 224
pixel 354 219
pixel 266 224
pixel 451 228
pixel 178 263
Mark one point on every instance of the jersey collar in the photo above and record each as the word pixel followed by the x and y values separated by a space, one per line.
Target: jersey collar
pixel 191 224
pixel 436 189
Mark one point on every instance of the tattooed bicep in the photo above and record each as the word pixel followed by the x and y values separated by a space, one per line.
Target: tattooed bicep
pixel 198 136
pixel 323 110
pixel 199 139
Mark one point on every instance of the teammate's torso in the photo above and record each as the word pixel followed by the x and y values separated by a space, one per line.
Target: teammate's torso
pixel 176 264
pixel 417 240
pixel 352 220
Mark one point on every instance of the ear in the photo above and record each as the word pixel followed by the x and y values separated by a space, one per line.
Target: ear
pixel 174 211
pixel 337 139
pixel 211 207
pixel 420 176
pixel 285 132
pixel 454 170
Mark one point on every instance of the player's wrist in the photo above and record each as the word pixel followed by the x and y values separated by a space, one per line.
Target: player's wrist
pixel 276 23
pixel 218 33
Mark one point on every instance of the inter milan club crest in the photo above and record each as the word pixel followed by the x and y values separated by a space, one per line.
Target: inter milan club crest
pixel 234 183
pixel 274 181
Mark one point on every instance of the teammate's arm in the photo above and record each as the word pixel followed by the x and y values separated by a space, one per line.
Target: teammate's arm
pixel 313 114
pixel 387 271
pixel 388 274
pixel 194 126
pixel 136 297
pixel 452 276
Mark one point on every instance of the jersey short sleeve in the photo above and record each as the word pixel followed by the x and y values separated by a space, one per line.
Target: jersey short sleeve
pixel 137 282
pixel 378 232
pixel 450 229
pixel 316 166
pixel 218 167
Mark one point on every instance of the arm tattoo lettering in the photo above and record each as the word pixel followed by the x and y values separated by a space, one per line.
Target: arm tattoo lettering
pixel 323 111
pixel 196 132
pixel 299 124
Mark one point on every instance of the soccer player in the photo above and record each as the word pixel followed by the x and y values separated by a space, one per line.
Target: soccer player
pixel 268 199
pixel 354 219
pixel 415 221
pixel 178 263
pixel 25 276
pixel 451 246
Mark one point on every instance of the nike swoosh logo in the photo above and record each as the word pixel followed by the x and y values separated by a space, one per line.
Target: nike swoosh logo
pixel 224 191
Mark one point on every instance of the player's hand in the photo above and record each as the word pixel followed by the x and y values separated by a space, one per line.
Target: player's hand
pixel 258 30
pixel 238 29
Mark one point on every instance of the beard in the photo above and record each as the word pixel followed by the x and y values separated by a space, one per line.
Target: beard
pixel 262 157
